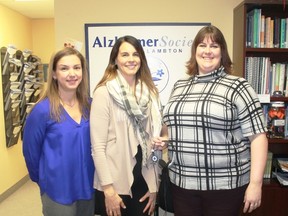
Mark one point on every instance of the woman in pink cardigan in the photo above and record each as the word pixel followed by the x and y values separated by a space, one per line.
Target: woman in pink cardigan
pixel 125 115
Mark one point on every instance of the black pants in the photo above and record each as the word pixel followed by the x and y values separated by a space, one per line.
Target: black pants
pixel 207 203
pixel 139 189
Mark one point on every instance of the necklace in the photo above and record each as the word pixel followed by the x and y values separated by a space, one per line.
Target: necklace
pixel 69 105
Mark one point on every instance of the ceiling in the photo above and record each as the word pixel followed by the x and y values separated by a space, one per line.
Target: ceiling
pixel 34 9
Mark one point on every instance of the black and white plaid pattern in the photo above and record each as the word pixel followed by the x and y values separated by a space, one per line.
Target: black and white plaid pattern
pixel 209 118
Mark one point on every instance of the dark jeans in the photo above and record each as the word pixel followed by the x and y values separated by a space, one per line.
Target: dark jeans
pixel 139 189
pixel 207 203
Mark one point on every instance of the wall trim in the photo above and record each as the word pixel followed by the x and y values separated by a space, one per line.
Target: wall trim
pixel 14 188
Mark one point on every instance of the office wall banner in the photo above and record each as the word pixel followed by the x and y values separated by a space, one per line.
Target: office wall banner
pixel 167 47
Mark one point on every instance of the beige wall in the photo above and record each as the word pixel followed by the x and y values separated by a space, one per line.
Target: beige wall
pixel 15 29
pixel 70 17
pixel 70 23
pixel 43 35
pixel 24 33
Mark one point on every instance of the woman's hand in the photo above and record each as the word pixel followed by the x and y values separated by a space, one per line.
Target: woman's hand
pixel 159 143
pixel 151 202
pixel 252 198
pixel 259 148
pixel 113 201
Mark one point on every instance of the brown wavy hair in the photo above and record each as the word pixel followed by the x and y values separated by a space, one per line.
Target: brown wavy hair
pixel 215 35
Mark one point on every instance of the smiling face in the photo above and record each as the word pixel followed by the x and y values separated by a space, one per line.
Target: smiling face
pixel 208 56
pixel 128 61
pixel 68 73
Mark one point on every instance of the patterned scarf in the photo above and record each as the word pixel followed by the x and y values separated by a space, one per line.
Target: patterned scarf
pixel 124 97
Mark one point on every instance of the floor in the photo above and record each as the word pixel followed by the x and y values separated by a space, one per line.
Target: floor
pixel 26 202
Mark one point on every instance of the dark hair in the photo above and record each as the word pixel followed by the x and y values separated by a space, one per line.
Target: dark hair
pixel 143 73
pixel 215 35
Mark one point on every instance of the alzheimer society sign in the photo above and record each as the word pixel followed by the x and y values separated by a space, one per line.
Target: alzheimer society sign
pixel 167 47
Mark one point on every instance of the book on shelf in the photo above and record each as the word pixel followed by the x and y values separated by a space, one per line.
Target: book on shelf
pixel 273 86
pixel 268 167
pixel 276 75
pixel 286 33
pixel 266 78
pixel 271 32
pixel 249 26
pixel 256 30
pixel 266 31
pixel 262 32
pixel 276 40
pixel 283 164
pixel 281 177
pixel 281 77
pixel 286 84
pixel 283 33
pixel 286 123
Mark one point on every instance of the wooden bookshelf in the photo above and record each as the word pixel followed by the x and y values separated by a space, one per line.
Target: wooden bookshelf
pixel 285 99
pixel 271 8
pixel 275 196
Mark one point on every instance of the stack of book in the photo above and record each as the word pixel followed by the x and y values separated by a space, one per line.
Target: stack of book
pixel 281 170
pixel 283 164
pixel 265 31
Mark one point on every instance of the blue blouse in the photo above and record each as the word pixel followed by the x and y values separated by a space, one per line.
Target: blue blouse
pixel 58 155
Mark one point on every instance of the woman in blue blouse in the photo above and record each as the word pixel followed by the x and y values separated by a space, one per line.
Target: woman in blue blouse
pixel 217 134
pixel 56 141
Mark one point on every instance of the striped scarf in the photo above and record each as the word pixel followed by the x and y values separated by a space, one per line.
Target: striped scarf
pixel 124 97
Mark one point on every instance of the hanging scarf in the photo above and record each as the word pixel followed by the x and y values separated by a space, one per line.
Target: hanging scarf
pixel 124 97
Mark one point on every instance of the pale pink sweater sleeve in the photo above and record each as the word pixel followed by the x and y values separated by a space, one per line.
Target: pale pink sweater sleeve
pixel 99 123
